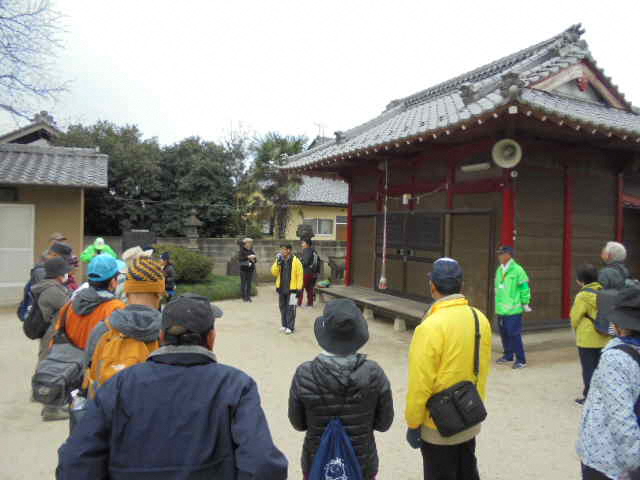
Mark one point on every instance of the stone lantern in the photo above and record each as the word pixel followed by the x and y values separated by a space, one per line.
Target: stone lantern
pixel 191 230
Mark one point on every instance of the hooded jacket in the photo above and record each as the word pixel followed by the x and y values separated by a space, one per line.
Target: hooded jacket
pixel 178 416
pixel 583 313
pixel 51 295
pixel 88 308
pixel 352 388
pixel 136 321
pixel 614 276
pixel 91 251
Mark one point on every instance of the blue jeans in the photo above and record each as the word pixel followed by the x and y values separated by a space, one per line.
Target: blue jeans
pixel 511 335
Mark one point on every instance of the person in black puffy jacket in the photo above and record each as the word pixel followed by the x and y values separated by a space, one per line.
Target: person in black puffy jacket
pixel 341 383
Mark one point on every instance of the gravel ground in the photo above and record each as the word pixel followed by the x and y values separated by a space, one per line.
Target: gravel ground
pixel 530 433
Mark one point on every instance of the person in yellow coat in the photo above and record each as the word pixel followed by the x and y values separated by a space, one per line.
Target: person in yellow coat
pixel 589 341
pixel 442 355
pixel 289 274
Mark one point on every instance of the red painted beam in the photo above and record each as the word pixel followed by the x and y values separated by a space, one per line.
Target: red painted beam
pixel 348 260
pixel 567 253
pixel 620 210
pixel 488 185
pixel 363 197
pixel 413 188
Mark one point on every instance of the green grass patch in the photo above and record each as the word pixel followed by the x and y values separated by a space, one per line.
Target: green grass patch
pixel 216 288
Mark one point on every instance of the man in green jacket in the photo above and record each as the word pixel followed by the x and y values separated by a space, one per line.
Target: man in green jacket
pixel 513 297
pixel 97 248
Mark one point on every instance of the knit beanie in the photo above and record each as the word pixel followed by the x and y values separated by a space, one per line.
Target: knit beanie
pixel 145 275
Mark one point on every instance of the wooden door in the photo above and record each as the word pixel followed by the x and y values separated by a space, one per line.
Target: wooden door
pixel 364 243
pixel 16 250
pixel 472 246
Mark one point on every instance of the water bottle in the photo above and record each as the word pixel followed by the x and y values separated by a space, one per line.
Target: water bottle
pixel 77 409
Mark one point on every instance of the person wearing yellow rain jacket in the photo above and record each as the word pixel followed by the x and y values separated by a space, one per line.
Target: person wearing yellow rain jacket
pixel 289 274
pixel 441 355
pixel 589 341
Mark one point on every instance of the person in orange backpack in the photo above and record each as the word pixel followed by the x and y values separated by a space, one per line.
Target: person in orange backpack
pixel 129 336
pixel 92 305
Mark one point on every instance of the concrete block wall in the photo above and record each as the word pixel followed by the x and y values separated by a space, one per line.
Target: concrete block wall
pixel 222 250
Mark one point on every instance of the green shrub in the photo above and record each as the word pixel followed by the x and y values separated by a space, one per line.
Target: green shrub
pixel 191 267
pixel 217 287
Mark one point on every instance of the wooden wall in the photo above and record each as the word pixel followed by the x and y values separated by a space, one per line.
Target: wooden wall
pixel 632 239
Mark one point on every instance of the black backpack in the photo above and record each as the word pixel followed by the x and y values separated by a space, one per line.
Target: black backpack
pixel 34 324
pixel 605 300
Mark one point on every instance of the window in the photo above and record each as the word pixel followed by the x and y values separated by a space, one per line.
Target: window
pixel 320 226
pixel 341 220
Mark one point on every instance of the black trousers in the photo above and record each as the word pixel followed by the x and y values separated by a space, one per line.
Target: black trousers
pixel 287 312
pixel 450 462
pixel 589 358
pixel 589 473
pixel 245 283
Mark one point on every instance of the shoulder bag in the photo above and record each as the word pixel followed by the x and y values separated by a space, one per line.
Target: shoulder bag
pixel 460 407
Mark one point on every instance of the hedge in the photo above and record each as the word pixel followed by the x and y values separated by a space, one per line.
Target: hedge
pixel 191 267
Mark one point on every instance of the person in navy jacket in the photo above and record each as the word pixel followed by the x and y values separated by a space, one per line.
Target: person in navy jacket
pixel 181 415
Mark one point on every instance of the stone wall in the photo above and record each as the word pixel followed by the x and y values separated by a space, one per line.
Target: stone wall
pixel 223 249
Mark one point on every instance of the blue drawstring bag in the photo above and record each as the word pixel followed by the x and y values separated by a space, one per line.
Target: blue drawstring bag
pixel 335 459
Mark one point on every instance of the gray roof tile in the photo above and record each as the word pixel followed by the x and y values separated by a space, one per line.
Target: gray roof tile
pixel 474 94
pixel 55 166
pixel 322 191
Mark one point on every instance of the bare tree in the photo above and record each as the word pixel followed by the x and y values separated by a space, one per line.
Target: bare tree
pixel 29 40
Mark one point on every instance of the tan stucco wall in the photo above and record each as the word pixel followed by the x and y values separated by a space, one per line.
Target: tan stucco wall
pixel 57 210
pixel 299 212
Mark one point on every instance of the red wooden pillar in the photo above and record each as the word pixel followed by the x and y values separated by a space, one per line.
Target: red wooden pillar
pixel 620 210
pixel 348 260
pixel 507 236
pixel 567 250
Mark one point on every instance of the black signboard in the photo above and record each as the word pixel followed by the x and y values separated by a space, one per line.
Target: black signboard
pixel 424 231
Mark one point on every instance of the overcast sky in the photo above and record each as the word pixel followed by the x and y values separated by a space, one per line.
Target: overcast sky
pixel 202 67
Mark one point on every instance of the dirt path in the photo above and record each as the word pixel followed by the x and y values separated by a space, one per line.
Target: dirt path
pixel 530 433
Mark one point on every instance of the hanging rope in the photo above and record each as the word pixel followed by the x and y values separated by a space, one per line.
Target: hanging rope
pixel 382 284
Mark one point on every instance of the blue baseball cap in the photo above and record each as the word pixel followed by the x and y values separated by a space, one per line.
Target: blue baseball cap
pixel 104 267
pixel 506 249
pixel 447 272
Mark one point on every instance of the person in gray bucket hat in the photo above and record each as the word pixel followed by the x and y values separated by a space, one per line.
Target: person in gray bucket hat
pixel 340 382
pixel 609 442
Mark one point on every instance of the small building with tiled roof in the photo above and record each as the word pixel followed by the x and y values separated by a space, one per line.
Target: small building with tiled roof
pixel 42 190
pixel 556 190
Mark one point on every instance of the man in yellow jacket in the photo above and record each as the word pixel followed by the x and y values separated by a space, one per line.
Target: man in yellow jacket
pixel 441 355
pixel 289 274
pixel 589 341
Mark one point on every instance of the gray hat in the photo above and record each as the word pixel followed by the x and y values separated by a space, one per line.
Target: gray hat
pixel 56 267
pixel 342 329
pixel 61 249
pixel 626 310
pixel 189 313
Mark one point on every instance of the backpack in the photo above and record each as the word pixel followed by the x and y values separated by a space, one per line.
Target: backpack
pixel 629 281
pixel 605 301
pixel 61 371
pixel 316 264
pixel 335 459
pixel 34 325
pixel 115 352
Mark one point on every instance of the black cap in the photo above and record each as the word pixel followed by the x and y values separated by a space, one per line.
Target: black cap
pixel 626 310
pixel 61 249
pixel 341 329
pixel 189 313
pixel 56 267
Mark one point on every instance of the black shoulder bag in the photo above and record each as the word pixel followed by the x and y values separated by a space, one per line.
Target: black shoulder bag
pixel 460 407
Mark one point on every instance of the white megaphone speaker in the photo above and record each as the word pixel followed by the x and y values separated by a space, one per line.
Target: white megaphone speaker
pixel 506 153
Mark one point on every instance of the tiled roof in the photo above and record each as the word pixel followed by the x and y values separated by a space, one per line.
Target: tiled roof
pixel 475 95
pixel 55 166
pixel 316 190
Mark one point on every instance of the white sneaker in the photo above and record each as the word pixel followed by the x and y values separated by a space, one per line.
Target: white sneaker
pixel 282 329
pixel 288 331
